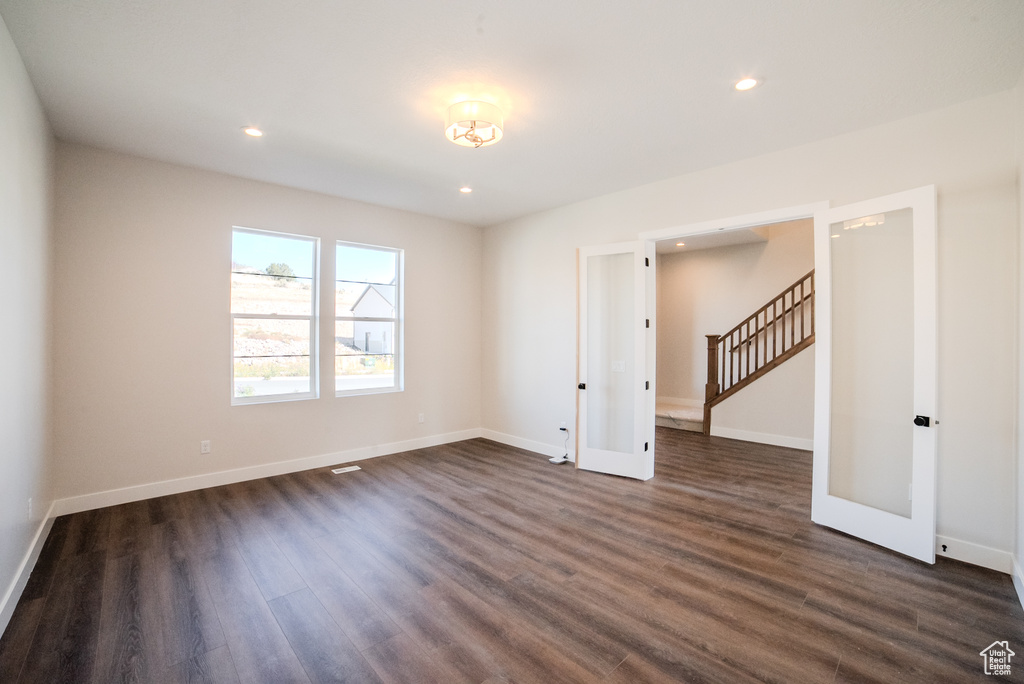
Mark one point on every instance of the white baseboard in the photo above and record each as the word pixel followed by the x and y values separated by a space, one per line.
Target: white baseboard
pixel 13 593
pixel 1018 581
pixel 763 438
pixel 114 497
pixel 976 554
pixel 548 450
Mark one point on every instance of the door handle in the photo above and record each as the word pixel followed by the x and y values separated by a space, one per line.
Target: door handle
pixel 922 421
pixel 582 386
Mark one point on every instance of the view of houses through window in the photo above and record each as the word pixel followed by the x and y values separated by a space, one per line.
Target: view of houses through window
pixel 274 312
pixel 367 325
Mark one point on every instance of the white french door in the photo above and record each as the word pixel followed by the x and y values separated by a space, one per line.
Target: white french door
pixel 875 371
pixel 615 432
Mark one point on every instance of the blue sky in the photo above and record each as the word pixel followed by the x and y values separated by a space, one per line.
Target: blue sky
pixel 355 263
pixel 259 251
pixel 365 265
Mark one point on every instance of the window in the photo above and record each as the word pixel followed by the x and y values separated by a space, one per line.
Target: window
pixel 368 323
pixel 274 303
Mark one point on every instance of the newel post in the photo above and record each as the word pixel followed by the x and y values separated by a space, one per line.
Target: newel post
pixel 711 388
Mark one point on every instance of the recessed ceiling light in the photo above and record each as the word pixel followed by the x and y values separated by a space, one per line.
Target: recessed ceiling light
pixel 465 189
pixel 680 244
pixel 253 131
pixel 746 84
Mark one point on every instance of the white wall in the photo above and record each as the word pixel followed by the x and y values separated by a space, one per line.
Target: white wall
pixel 966 150
pixel 26 169
pixel 709 291
pixel 143 335
pixel 1018 575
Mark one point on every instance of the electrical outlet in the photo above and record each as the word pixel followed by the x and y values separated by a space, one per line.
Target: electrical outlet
pixel 204 446
pixel 421 418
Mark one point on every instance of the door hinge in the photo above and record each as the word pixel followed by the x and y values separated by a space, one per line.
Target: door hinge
pixel 647 384
pixel 647 261
pixel 647 322
pixel 645 446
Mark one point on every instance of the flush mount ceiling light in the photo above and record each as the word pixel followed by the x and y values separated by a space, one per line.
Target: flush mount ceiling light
pixel 465 189
pixel 252 131
pixel 746 84
pixel 473 124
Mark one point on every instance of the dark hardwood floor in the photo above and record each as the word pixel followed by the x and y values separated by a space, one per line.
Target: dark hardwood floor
pixel 478 562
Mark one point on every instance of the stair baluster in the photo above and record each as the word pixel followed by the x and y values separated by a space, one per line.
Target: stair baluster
pixel 796 302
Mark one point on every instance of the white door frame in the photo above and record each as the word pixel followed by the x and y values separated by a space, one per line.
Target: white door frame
pixel 743 221
pixel 761 218
pixel 650 237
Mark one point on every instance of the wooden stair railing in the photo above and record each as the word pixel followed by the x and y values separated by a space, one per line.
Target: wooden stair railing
pixel 776 332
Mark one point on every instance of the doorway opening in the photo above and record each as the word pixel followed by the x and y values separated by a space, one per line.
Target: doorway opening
pixel 712 277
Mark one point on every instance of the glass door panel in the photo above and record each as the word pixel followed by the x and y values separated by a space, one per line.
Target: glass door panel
pixel 871 447
pixel 610 366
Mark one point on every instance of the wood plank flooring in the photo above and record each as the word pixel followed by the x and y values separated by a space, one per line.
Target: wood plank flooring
pixel 478 562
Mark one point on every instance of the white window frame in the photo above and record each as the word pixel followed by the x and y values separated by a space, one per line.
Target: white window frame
pixel 399 338
pixel 314 327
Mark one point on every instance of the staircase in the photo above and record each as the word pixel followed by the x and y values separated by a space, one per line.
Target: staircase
pixel 776 332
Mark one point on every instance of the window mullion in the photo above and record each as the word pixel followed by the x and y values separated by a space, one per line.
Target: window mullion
pixel 273 317
pixel 367 319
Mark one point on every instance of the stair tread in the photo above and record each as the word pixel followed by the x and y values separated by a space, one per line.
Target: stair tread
pixel 679 411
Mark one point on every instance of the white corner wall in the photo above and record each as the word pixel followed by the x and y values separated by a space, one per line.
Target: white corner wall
pixel 143 333
pixel 1018 560
pixel 709 291
pixel 966 150
pixel 26 169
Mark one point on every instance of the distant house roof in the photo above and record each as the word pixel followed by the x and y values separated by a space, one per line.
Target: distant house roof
pixel 365 298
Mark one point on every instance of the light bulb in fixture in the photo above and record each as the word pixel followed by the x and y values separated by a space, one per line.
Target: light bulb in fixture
pixel 473 124
pixel 465 189
pixel 252 132
pixel 746 84
pixel 680 244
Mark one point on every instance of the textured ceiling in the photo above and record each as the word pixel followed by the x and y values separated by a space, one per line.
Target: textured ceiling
pixel 598 96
